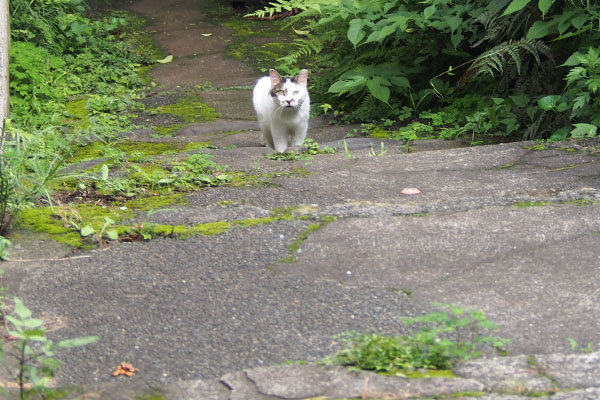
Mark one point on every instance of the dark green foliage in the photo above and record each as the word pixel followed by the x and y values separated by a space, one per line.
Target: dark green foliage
pixel 395 59
pixel 58 54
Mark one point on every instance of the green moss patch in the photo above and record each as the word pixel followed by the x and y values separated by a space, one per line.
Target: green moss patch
pixel 183 232
pixel 191 109
pixel 428 373
pixel 154 202
pixel 79 112
pixel 63 224
pixel 295 245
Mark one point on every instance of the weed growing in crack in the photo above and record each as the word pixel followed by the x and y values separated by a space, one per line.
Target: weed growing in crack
pixel 441 339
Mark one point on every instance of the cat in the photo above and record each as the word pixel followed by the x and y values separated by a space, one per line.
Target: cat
pixel 282 107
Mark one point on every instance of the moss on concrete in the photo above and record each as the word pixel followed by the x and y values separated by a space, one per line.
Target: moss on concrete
pixel 295 245
pixel 154 202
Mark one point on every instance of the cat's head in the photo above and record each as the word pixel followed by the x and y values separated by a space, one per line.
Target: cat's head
pixel 288 92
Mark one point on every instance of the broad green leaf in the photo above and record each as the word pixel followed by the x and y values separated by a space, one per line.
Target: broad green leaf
pixel 165 60
pixel 515 6
pixel 33 323
pixel 342 86
pixel 429 11
pixel 112 234
pixel 104 171
pixel 574 59
pixel 548 103
pixel 579 20
pixel 544 5
pixel 355 33
pixel 87 231
pixel 81 341
pixel 584 130
pixel 386 31
pixel 520 100
pixel 21 310
pixel 400 81
pixel 560 134
pixel 539 29
pixel 454 22
pixel 38 335
pixel 17 323
pixel 401 21
pixel 456 38
pixel 109 220
pixel 378 88
pixel 18 335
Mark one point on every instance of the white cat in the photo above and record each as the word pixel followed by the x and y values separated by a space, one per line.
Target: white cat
pixel 282 106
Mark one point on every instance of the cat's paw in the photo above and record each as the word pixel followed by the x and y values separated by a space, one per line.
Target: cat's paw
pixel 296 149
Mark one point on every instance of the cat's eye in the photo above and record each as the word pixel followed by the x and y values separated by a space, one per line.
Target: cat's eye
pixel 279 93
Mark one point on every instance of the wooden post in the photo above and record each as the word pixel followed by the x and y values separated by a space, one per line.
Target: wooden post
pixel 4 57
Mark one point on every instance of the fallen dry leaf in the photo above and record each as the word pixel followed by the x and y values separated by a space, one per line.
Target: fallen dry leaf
pixel 410 191
pixel 11 338
pixel 125 369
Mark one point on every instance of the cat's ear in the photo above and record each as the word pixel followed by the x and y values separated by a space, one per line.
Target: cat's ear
pixel 276 79
pixel 302 78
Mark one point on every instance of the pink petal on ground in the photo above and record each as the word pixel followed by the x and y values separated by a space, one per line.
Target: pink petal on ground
pixel 410 191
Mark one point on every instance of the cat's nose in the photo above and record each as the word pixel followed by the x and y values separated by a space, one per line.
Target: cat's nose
pixel 289 101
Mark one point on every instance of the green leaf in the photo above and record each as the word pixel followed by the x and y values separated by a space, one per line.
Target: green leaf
pixel 584 130
pixel 560 134
pixel 400 81
pixel 378 87
pixel 539 29
pixel 33 323
pixel 112 234
pixel 87 231
pixel 454 22
pixel 17 323
pixel 355 33
pixel 165 60
pixel 76 342
pixel 429 11
pixel 21 310
pixel 456 38
pixel 38 335
pixel 351 82
pixel 104 171
pixel 544 5
pixel 548 103
pixel 520 100
pixel 515 6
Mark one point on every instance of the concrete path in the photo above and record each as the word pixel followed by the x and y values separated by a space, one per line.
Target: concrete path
pixel 511 229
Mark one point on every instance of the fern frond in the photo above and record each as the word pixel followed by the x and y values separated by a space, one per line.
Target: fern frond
pixel 507 54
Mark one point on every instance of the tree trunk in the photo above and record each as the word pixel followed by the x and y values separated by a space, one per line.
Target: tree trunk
pixel 4 46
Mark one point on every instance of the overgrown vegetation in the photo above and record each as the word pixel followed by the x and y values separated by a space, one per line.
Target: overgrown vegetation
pixel 34 351
pixel 439 340
pixel 77 83
pixel 509 68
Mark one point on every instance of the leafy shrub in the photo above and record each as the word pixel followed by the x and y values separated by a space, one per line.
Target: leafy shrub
pixel 443 338
pixel 391 59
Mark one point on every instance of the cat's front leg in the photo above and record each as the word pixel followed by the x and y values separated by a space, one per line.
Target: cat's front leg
pixel 299 134
pixel 280 141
